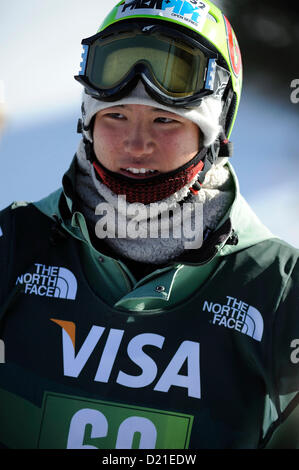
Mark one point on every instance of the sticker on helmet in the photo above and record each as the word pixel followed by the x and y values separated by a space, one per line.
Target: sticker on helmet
pixel 189 12
pixel 234 49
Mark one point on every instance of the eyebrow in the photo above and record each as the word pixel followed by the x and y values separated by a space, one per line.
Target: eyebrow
pixel 158 110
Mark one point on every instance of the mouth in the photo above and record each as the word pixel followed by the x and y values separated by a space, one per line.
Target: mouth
pixel 139 173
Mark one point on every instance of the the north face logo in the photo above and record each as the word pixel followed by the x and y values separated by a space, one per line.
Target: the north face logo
pixel 49 281
pixel 237 315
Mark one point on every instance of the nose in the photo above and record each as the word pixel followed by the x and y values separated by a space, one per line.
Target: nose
pixel 139 141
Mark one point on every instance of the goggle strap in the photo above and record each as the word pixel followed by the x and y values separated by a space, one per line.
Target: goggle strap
pixel 211 73
pixel 84 56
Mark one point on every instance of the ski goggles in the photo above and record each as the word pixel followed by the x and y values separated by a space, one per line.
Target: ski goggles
pixel 175 69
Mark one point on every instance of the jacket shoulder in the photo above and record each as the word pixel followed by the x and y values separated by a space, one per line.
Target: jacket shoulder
pixel 7 245
pixel 7 217
pixel 272 250
pixel 24 229
pixel 49 204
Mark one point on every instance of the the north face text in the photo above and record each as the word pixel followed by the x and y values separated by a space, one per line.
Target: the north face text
pixel 237 315
pixel 49 281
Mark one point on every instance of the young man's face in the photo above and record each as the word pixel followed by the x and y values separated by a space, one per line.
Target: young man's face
pixel 139 137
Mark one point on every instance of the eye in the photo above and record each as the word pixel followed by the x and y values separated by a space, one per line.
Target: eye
pixel 164 120
pixel 115 115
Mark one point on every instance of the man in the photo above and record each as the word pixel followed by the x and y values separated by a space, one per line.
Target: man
pixel 144 305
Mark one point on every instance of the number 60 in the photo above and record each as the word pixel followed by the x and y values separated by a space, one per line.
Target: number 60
pixel 99 423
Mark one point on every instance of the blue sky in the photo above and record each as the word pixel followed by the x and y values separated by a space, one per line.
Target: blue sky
pixel 40 52
pixel 40 49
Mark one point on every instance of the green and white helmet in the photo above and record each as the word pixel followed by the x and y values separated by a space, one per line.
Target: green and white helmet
pixel 182 50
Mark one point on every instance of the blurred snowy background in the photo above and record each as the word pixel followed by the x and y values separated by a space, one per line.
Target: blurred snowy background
pixel 40 52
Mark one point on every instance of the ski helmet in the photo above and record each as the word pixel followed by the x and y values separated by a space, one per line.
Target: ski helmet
pixel 182 50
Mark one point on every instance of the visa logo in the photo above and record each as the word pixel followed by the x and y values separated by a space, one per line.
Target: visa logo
pixel 74 359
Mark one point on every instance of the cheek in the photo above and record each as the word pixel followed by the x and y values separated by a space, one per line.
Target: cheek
pixel 106 143
pixel 187 139
pixel 180 147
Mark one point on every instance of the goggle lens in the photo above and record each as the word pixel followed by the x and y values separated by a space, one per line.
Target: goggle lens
pixel 175 66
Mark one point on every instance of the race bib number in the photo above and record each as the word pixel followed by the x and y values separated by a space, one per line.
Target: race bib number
pixel 76 423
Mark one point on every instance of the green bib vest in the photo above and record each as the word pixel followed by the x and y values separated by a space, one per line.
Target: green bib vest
pixel 80 371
